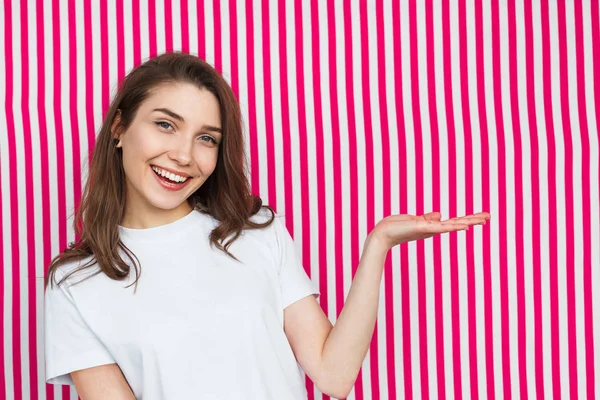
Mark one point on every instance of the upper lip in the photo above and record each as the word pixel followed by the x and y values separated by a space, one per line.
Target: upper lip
pixel 174 171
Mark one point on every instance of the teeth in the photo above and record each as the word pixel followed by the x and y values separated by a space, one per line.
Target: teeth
pixel 169 175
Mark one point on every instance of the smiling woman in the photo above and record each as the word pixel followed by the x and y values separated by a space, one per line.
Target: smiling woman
pixel 167 185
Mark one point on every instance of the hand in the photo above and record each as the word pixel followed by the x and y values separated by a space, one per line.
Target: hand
pixel 402 228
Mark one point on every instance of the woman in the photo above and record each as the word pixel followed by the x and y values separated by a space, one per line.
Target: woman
pixel 222 307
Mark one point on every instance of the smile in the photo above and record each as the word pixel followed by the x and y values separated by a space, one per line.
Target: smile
pixel 169 180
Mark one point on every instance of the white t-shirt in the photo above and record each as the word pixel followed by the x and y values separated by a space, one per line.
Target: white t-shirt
pixel 201 325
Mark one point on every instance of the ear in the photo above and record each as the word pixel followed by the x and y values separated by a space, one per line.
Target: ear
pixel 113 128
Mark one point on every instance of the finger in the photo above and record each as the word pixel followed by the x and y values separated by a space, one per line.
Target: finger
pixel 465 220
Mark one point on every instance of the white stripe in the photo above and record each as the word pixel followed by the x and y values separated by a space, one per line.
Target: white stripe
pixel 593 184
pixel 559 181
pixel 209 31
pixel 175 23
pixel 144 33
pixel 360 129
pixel 194 35
pixel 127 34
pixel 226 55
pixel 159 23
pixel 392 107
pixel 577 200
pixel 527 194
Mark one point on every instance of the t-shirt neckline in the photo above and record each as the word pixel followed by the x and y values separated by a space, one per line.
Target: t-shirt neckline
pixel 165 232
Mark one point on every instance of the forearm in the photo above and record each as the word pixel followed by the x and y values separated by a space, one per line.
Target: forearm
pixel 349 340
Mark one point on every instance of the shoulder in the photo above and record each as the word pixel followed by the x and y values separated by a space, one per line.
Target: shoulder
pixel 73 271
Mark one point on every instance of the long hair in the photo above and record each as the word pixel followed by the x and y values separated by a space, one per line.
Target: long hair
pixel 226 195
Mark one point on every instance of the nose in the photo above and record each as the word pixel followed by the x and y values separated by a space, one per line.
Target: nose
pixel 182 152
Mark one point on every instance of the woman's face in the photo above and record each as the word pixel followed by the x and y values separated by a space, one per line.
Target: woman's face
pixel 176 132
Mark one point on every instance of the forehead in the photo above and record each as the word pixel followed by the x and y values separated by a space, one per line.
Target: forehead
pixel 196 106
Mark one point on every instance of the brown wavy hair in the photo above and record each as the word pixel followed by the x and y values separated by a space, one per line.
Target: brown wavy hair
pixel 226 195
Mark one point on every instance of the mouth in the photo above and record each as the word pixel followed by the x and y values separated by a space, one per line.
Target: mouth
pixel 169 181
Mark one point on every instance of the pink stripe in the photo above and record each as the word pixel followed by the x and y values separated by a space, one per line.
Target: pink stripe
pixel 136 32
pixel 596 58
pixel 518 199
pixel 185 28
pixel 252 123
pixel 453 200
pixel 168 27
pixel 468 156
pixel 105 59
pixel 268 106
pixel 387 195
pixel 402 168
pixel 45 173
pixel 436 203
pixel 151 28
pixel 234 48
pixel 217 35
pixel 419 190
pixel 353 160
pixel 370 173
pixel 569 206
pixel 185 31
pixel 201 29
pixel 285 117
pixel 553 234
pixel 30 229
pixel 320 154
pixel 14 210
pixel 485 185
pixel 304 187
pixel 535 202
pixel 586 204
pixel 502 192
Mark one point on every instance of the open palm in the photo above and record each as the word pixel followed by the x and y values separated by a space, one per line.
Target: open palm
pixel 402 228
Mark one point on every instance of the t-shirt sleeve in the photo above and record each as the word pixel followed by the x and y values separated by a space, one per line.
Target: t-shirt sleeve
pixel 293 279
pixel 70 344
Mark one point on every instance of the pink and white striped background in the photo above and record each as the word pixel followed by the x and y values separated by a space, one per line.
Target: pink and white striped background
pixel 354 111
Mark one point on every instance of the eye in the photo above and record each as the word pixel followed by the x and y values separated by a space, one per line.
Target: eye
pixel 210 139
pixel 163 122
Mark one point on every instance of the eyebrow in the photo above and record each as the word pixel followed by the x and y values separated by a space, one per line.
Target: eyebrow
pixel 178 117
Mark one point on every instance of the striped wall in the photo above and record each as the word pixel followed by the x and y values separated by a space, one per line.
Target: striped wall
pixel 353 111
